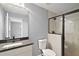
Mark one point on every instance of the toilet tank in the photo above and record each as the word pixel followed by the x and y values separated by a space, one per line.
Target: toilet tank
pixel 42 43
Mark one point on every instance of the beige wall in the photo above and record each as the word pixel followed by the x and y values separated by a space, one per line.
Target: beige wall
pixel 51 14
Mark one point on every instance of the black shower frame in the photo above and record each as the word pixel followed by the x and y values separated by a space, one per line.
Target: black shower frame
pixel 63 26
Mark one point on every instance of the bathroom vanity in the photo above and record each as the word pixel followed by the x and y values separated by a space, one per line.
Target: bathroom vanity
pixel 18 48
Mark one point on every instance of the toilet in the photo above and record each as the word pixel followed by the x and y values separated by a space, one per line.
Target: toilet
pixel 42 46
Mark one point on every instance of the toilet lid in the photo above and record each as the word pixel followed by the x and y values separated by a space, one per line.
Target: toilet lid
pixel 48 52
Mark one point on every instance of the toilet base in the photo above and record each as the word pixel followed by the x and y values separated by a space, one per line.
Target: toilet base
pixel 48 52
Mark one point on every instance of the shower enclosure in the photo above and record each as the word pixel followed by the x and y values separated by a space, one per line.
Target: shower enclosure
pixel 67 25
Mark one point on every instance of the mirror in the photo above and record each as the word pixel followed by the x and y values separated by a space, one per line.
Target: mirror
pixel 17 26
pixel 14 22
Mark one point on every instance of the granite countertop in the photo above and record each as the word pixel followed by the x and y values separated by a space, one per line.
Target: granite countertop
pixel 24 43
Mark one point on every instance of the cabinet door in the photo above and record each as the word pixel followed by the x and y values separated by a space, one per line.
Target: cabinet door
pixel 23 51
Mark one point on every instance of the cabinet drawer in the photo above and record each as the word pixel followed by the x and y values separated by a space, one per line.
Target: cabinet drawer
pixel 23 51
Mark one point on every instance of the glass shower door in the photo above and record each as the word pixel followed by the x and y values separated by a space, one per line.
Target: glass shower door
pixel 71 47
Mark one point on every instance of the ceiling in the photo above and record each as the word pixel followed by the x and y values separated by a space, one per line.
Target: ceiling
pixel 59 8
pixel 14 8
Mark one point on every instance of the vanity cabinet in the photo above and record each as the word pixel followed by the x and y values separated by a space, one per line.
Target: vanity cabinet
pixel 22 51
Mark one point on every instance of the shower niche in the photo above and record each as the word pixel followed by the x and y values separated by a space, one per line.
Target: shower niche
pixel 55 25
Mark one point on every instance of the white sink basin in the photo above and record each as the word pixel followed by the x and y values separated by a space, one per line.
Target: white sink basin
pixel 12 45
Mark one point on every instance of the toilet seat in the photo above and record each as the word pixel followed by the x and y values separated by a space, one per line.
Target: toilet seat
pixel 48 52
